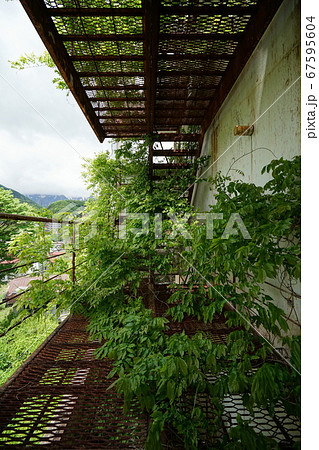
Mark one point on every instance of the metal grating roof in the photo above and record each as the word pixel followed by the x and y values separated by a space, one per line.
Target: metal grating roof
pixel 140 67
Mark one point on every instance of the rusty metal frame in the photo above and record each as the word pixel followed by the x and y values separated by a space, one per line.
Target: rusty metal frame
pixel 59 398
pixel 181 56
pixel 22 218
pixel 255 30
pixel 38 14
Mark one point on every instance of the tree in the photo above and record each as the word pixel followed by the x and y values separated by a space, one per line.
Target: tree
pixel 44 60
pixel 11 205
pixel 74 207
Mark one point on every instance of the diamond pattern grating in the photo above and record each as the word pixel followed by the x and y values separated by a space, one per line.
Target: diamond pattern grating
pixel 59 399
pixel 284 429
pixel 187 50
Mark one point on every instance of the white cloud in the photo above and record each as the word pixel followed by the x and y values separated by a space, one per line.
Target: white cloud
pixel 45 166
pixel 43 133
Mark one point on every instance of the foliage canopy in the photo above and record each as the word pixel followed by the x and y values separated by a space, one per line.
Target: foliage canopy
pixel 158 369
pixel 222 274
pixel 11 205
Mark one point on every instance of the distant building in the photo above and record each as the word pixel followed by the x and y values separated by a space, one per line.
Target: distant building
pixel 16 286
pixel 20 284
pixel 52 226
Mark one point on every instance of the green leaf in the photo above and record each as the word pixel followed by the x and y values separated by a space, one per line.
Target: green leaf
pixel 182 366
pixel 171 389
pixel 261 275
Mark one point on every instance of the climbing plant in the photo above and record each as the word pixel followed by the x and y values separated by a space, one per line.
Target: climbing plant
pixel 253 235
pixel 43 60
pixel 227 270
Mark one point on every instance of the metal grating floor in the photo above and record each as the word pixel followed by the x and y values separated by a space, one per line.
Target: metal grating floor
pixel 60 399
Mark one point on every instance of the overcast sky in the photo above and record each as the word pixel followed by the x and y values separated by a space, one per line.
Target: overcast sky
pixel 43 133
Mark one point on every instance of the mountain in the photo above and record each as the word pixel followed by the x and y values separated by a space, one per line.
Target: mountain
pixel 64 206
pixel 21 197
pixel 40 201
pixel 45 200
pixel 83 199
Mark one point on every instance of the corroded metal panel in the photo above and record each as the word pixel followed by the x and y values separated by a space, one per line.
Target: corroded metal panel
pixel 60 399
pixel 112 56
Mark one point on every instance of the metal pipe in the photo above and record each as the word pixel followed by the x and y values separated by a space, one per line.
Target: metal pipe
pixel 45 281
pixel 16 217
pixel 11 269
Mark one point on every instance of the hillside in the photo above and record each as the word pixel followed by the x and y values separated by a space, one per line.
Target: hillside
pixel 62 206
pixel 22 197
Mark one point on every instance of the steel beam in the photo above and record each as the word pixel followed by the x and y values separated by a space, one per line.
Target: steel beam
pixel 101 37
pixel 166 87
pixel 178 121
pixel 117 99
pixel 168 113
pixel 118 109
pixel 142 116
pixel 95 12
pixel 164 10
pixel 179 56
pixel 174 153
pixel 183 106
pixel 126 136
pixel 191 72
pixel 127 87
pixel 173 137
pixel 181 96
pixel 201 36
pixel 115 126
pixel 110 74
pixel 170 166
pixel 105 57
pixel 175 87
pixel 207 10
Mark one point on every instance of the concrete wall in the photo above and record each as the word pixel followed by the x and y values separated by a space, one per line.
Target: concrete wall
pixel 266 94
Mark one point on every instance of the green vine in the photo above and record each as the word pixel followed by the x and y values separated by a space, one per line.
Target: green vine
pixel 161 371
pixel 254 240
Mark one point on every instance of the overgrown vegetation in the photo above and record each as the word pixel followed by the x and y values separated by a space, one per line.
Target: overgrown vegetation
pixel 19 343
pixel 42 60
pixel 255 238
pixel 11 205
pixel 226 269
pixel 25 325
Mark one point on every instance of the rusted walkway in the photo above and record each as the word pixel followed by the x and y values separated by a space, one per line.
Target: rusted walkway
pixel 60 399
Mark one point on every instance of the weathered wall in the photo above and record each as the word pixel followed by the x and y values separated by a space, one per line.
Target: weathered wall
pixel 266 94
